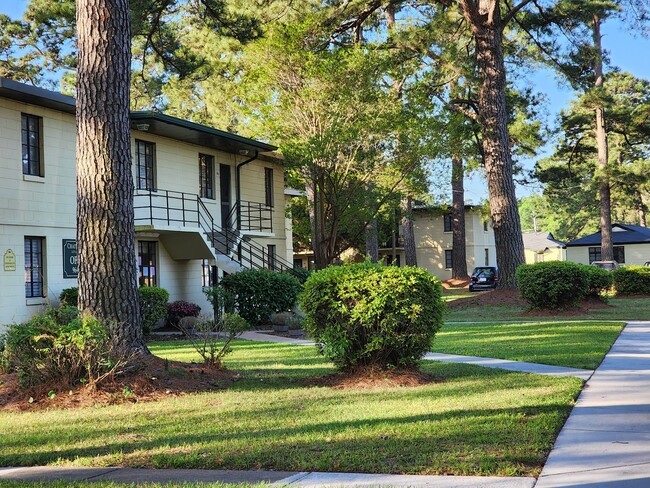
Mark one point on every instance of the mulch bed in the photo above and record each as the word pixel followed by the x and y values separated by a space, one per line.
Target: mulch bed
pixel 369 377
pixel 154 379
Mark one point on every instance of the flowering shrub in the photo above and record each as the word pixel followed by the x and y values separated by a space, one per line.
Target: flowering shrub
pixel 179 309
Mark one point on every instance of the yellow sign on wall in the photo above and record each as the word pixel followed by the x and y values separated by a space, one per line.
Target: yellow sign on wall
pixel 10 260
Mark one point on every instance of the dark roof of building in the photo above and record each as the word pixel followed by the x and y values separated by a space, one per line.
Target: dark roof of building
pixel 155 122
pixel 539 241
pixel 621 234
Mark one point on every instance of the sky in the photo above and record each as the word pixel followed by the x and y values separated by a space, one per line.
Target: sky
pixel 627 52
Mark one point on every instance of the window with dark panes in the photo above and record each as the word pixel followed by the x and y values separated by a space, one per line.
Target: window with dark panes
pixel 145 164
pixel 268 186
pixel 271 254
pixel 448 258
pixel 448 223
pixel 147 272
pixel 31 144
pixel 594 254
pixel 209 274
pixel 487 257
pixel 34 270
pixel 619 254
pixel 206 176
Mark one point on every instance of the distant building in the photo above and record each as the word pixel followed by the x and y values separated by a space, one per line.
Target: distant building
pixel 542 246
pixel 631 246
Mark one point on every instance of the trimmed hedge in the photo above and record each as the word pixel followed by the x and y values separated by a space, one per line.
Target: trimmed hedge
pixel 599 281
pixel 632 280
pixel 370 314
pixel 153 306
pixel 69 296
pixel 257 293
pixel 553 284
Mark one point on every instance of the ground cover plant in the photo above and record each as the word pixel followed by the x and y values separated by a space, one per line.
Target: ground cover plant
pixel 577 344
pixel 471 421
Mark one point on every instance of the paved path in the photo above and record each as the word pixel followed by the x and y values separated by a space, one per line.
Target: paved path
pixel 606 440
pixel 545 369
pixel 275 478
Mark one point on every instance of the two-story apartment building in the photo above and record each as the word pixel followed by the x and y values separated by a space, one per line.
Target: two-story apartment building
pixel 432 227
pixel 206 202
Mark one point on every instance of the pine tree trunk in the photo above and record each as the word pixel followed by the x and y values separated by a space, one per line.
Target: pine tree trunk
pixel 408 233
pixel 105 227
pixel 604 192
pixel 493 117
pixel 459 252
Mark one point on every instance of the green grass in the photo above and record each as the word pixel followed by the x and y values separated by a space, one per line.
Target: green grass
pixel 111 484
pixel 621 309
pixel 571 344
pixel 472 421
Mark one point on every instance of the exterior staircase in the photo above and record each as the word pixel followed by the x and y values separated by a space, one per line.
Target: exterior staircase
pixel 232 250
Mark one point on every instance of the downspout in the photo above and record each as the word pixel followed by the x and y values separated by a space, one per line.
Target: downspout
pixel 238 187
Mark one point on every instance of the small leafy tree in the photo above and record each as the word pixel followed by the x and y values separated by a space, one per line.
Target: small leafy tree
pixel 153 306
pixel 211 339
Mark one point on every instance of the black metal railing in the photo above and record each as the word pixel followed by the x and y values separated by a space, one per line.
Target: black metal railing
pixel 251 216
pixel 188 210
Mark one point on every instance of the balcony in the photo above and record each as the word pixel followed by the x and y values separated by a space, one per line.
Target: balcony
pixel 251 216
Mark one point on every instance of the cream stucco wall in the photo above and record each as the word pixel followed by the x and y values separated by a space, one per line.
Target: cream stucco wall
pixel 635 254
pixel 549 254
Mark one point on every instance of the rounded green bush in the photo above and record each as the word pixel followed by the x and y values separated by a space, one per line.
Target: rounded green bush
pixel 552 285
pixel 600 280
pixel 370 314
pixel 153 306
pixel 258 293
pixel 632 280
pixel 69 296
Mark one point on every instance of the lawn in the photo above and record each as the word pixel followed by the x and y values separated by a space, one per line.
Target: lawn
pixel 111 484
pixel 471 421
pixel 577 344
pixel 620 309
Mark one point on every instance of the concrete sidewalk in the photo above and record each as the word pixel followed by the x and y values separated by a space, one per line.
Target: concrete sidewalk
pixel 606 440
pixel 275 478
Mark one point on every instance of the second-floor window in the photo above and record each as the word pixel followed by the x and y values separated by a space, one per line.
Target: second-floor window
pixel 268 186
pixel 145 164
pixel 31 143
pixel 206 176
pixel 448 223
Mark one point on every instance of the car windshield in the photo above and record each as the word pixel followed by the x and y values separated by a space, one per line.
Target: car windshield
pixel 483 273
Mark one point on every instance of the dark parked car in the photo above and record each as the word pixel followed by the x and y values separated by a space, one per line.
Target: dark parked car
pixel 606 265
pixel 484 278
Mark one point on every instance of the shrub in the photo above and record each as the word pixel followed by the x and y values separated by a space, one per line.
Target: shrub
pixel 69 296
pixel 153 306
pixel 4 358
pixel 60 347
pixel 599 280
pixel 632 280
pixel 211 339
pixel 258 293
pixel 370 314
pixel 179 309
pixel 300 273
pixel 553 284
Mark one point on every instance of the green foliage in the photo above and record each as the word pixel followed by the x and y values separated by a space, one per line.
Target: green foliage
pixel 301 274
pixel 211 339
pixel 4 357
pixel 368 314
pixel 153 306
pixel 60 347
pixel 179 309
pixel 632 280
pixel 258 293
pixel 553 285
pixel 600 280
pixel 69 296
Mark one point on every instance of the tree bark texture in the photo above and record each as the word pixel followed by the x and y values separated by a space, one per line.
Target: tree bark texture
pixel 105 226
pixel 459 252
pixel 484 17
pixel 604 192
pixel 408 233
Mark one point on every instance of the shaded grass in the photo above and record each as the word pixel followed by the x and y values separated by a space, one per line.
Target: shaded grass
pixel 111 484
pixel 621 309
pixel 570 344
pixel 474 421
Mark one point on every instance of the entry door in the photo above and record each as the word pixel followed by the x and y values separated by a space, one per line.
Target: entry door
pixel 224 185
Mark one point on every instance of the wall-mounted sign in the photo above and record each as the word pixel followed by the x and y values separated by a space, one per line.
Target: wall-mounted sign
pixel 70 268
pixel 10 260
